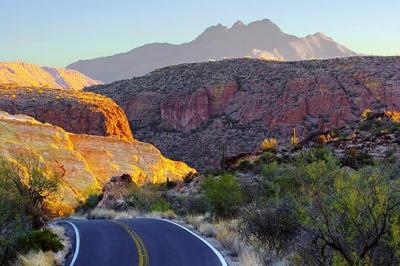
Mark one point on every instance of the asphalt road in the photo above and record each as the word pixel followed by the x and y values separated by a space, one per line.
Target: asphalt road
pixel 139 241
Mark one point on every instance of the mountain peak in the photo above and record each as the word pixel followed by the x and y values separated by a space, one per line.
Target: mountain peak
pixel 238 24
pixel 320 35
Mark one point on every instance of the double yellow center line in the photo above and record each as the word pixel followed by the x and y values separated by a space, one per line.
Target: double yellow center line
pixel 141 248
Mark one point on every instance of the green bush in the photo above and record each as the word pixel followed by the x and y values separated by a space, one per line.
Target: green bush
pixel 43 240
pixel 90 203
pixel 223 194
pixel 142 198
pixel 161 205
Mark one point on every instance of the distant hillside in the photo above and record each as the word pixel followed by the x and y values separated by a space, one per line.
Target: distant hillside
pixel 260 39
pixel 20 74
pixel 200 113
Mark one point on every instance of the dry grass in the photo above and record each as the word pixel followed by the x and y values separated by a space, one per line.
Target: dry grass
pixel 169 214
pixel 228 237
pixel 249 257
pixel 49 258
pixel 101 213
pixel 207 229
pixel 59 257
pixel 39 258
pixel 195 220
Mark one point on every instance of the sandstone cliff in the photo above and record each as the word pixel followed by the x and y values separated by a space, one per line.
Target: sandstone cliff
pixel 199 113
pixel 74 111
pixel 85 163
pixel 20 74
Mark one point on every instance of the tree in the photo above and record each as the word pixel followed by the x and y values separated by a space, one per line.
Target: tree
pixel 223 193
pixel 25 185
pixel 353 217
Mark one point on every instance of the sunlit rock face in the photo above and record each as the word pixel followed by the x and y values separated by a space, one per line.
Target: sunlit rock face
pixel 74 111
pixel 200 113
pixel 22 74
pixel 85 163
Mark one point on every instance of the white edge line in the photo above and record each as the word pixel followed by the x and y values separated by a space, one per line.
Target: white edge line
pixel 220 257
pixel 77 242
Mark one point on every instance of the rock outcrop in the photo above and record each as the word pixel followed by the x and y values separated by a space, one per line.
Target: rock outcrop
pixel 20 74
pixel 74 111
pixel 85 163
pixel 201 113
pixel 115 191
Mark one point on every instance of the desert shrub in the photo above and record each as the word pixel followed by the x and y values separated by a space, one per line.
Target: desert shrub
pixel 269 144
pixel 161 205
pixel 141 198
pixel 356 158
pixel 229 237
pixel 44 240
pixel 352 217
pixel 90 203
pixel 223 193
pixel 207 229
pixel 196 204
pixel 25 186
pixel 273 224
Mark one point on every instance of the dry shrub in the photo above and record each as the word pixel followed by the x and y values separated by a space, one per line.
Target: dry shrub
pixel 207 229
pixel 59 257
pixel 250 257
pixel 102 213
pixel 269 144
pixel 228 237
pixel 169 214
pixel 194 220
pixel 36 258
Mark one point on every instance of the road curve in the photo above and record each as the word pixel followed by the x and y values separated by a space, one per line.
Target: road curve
pixel 141 241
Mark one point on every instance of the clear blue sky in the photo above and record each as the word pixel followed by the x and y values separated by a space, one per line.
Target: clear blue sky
pixel 58 32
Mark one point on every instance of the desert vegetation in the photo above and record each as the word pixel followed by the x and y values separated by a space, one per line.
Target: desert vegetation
pixel 25 186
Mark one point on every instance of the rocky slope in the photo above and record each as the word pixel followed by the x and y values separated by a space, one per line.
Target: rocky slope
pixel 200 113
pixel 85 163
pixel 259 39
pixel 74 111
pixel 375 135
pixel 20 74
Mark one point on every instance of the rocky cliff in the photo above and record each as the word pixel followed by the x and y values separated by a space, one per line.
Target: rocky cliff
pixel 200 113
pixel 20 74
pixel 85 163
pixel 74 111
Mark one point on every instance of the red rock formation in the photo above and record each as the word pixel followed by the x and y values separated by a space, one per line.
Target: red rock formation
pixel 74 111
pixel 192 111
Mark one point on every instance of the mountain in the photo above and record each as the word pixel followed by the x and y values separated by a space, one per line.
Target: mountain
pixel 203 112
pixel 84 162
pixel 20 74
pixel 260 39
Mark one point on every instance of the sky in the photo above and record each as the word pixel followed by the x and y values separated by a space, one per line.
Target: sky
pixel 59 32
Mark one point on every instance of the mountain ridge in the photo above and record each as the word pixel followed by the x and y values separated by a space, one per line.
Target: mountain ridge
pixel 23 74
pixel 242 101
pixel 258 39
